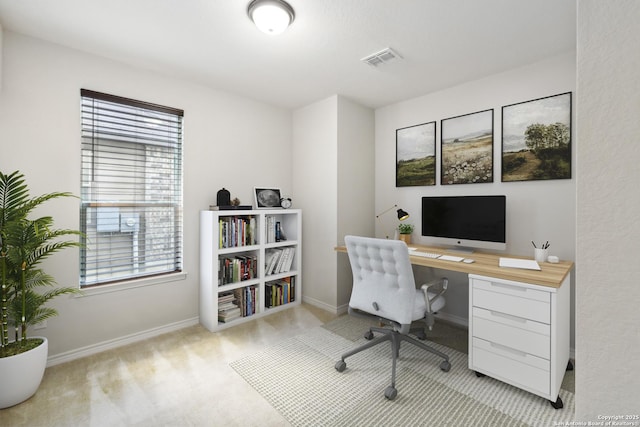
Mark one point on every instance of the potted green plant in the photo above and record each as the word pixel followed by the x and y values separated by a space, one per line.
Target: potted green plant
pixel 24 244
pixel 405 231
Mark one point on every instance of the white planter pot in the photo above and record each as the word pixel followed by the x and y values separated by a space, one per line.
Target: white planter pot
pixel 21 374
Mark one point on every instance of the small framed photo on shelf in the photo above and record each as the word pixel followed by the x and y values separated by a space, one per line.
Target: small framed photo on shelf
pixel 267 198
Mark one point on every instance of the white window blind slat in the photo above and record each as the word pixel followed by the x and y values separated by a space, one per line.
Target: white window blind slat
pixel 131 210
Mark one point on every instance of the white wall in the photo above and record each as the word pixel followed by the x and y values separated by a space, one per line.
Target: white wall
pixel 333 171
pixel 1 55
pixel 536 210
pixel 608 208
pixel 355 193
pixel 229 141
pixel 315 154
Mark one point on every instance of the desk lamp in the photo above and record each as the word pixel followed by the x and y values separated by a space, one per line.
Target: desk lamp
pixel 402 214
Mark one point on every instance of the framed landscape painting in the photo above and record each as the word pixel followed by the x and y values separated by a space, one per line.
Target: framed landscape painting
pixel 536 139
pixel 467 148
pixel 416 155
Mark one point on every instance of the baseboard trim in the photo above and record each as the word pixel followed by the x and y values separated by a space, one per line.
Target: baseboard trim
pixel 320 304
pixel 343 309
pixel 452 318
pixel 92 349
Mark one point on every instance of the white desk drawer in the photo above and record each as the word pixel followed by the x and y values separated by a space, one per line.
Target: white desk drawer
pixel 515 332
pixel 511 289
pixel 520 369
pixel 514 305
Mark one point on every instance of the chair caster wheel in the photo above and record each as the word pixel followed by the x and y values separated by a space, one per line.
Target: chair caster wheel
pixel 557 404
pixel 479 374
pixel 390 393
pixel 421 335
pixel 340 365
pixel 445 366
pixel 368 336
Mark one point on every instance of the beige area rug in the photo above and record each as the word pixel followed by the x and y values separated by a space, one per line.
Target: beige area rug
pixel 297 376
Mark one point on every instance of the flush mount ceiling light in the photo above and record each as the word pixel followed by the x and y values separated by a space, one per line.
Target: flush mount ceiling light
pixel 271 16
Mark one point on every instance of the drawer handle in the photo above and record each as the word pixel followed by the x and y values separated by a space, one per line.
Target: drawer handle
pixel 509 349
pixel 508 316
pixel 510 287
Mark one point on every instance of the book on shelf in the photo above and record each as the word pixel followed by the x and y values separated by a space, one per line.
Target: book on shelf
pixel 224 297
pixel 280 292
pixel 274 231
pixel 236 231
pixel 246 300
pixel 241 302
pixel 288 262
pixel 227 307
pixel 228 315
pixel 237 269
pixel 269 230
pixel 278 231
pixel 279 260
pixel 272 260
pixel 282 255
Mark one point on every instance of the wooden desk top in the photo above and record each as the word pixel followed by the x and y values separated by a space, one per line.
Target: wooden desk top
pixel 486 264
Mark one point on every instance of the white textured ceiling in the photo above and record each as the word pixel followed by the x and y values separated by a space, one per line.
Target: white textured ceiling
pixel 213 42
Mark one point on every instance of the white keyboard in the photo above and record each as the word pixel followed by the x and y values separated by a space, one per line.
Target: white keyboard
pixel 434 255
pixel 451 258
pixel 425 254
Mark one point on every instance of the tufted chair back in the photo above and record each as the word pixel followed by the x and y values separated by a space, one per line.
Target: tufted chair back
pixel 383 282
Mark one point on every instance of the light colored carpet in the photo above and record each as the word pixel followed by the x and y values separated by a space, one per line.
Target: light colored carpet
pixel 297 376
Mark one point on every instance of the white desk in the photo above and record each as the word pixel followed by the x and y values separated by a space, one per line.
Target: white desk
pixel 519 326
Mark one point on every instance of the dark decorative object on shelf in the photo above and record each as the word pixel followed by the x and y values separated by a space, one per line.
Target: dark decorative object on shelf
pixel 223 198
pixel 224 202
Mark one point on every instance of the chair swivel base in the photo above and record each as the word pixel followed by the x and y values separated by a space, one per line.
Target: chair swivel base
pixel 396 338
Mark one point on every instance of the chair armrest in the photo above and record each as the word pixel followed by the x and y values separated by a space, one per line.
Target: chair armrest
pixel 443 282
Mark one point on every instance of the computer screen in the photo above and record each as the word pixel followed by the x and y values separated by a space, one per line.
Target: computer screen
pixel 465 222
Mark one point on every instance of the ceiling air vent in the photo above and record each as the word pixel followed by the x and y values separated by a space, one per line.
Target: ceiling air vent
pixel 382 57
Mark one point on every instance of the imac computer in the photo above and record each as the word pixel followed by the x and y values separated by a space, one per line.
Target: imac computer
pixel 465 222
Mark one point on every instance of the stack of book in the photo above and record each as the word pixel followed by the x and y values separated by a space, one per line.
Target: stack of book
pixel 279 292
pixel 278 260
pixel 227 307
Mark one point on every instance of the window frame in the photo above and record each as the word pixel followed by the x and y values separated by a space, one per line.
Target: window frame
pixel 141 141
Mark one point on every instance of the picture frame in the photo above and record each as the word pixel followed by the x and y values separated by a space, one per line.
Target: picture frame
pixel 267 197
pixel 416 155
pixel 467 148
pixel 536 139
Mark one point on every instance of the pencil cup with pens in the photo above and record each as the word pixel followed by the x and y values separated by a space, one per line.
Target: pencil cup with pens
pixel 541 253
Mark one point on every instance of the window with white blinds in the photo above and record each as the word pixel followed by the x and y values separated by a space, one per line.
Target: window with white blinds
pixel 131 198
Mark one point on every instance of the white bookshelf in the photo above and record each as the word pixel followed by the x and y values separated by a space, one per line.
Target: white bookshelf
pixel 272 290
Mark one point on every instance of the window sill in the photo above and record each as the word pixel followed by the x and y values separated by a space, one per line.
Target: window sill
pixel 132 284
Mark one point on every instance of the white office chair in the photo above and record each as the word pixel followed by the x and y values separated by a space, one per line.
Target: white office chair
pixel 384 289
